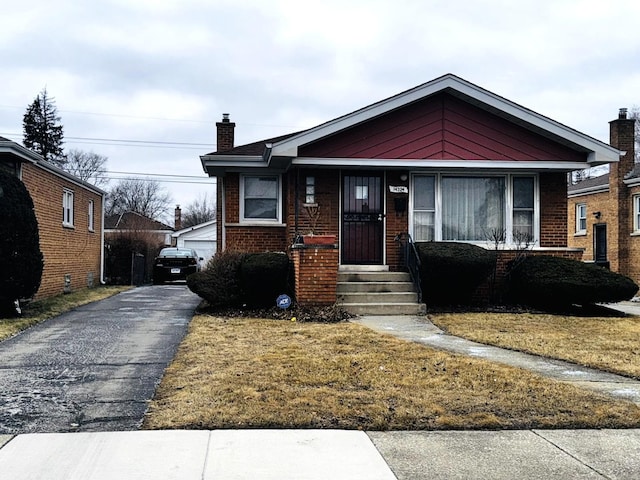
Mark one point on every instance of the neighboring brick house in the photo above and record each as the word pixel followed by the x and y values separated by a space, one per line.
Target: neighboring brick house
pixel 604 212
pixel 69 214
pixel 444 161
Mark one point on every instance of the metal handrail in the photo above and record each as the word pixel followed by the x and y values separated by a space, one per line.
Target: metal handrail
pixel 411 260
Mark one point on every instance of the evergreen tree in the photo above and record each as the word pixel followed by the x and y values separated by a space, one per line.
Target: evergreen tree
pixel 42 129
pixel 21 261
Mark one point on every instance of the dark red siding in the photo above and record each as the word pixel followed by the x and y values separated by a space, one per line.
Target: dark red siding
pixel 441 127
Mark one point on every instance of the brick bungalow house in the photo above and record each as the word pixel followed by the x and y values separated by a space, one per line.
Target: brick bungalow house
pixel 444 161
pixel 604 212
pixel 70 220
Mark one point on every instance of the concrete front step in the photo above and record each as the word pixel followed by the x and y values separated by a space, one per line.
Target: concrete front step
pixel 377 292
pixel 374 277
pixel 377 297
pixel 374 287
pixel 385 308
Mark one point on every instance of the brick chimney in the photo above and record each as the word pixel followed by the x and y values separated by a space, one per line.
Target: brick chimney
pixel 622 137
pixel 225 130
pixel 178 219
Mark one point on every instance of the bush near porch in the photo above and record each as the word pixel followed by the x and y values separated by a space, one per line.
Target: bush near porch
pixel 458 274
pixel 235 279
pixel 553 282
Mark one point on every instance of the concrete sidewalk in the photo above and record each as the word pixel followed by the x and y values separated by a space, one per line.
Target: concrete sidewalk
pixel 322 454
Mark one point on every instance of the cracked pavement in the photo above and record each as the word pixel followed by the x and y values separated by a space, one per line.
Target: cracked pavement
pixel 96 367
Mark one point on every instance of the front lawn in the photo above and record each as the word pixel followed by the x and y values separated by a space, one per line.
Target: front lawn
pixel 256 373
pixel 606 343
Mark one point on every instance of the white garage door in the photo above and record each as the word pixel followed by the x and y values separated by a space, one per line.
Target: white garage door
pixel 205 248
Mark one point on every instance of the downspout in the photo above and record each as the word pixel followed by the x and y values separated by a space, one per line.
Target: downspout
pixel 223 230
pixel 296 207
pixel 102 280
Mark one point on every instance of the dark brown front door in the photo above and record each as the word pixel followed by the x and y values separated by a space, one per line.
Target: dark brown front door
pixel 362 219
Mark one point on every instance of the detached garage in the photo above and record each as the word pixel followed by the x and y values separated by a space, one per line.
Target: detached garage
pixel 202 238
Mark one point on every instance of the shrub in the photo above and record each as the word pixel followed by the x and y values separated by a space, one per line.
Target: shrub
pixel 554 282
pixel 264 276
pixel 21 261
pixel 219 283
pixel 451 271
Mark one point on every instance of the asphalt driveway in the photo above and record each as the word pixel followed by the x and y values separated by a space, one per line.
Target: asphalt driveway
pixel 94 368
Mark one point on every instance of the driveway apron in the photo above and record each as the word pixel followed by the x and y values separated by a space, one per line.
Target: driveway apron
pixel 94 368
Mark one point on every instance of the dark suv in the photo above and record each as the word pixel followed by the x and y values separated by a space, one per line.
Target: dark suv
pixel 175 264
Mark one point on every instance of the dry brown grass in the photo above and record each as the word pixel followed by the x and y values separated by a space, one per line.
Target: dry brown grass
pixel 610 343
pixel 252 373
pixel 40 310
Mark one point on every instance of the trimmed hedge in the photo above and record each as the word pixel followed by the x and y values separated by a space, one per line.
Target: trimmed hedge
pixel 219 282
pixel 451 272
pixel 554 282
pixel 234 279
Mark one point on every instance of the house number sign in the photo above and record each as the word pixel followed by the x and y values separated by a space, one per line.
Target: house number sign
pixel 398 189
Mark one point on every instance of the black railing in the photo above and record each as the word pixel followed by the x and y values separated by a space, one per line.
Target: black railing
pixel 411 259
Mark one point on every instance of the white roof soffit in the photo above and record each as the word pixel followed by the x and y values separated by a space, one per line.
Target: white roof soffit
pixel 599 152
pixel 408 164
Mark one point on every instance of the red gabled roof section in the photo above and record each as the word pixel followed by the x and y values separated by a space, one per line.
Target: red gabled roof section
pixel 441 127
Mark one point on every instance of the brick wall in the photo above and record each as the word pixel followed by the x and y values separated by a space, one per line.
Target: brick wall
pixel 316 274
pixel 327 196
pixel 553 210
pixel 67 251
pixel 397 222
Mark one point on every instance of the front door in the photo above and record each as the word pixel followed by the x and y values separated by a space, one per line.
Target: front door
pixel 600 243
pixel 362 219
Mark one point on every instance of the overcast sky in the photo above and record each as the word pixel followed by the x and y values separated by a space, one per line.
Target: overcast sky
pixel 128 75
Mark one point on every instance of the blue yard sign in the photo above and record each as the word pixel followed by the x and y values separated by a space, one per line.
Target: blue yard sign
pixel 283 301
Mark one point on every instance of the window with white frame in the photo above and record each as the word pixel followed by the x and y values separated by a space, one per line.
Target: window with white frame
pixel 474 208
pixel 581 218
pixel 260 198
pixel 67 208
pixel 523 208
pixel 636 213
pixel 424 208
pixel 90 213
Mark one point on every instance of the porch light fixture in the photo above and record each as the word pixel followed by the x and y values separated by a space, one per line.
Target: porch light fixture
pixel 404 177
pixel 597 214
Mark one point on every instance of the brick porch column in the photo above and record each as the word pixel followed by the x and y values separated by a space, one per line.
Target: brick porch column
pixel 316 274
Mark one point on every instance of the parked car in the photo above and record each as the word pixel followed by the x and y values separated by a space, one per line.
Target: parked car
pixel 175 264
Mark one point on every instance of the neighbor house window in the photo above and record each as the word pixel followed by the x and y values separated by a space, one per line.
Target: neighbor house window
pixel 260 198
pixel 67 208
pixel 581 218
pixel 474 208
pixel 90 213
pixel 636 213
